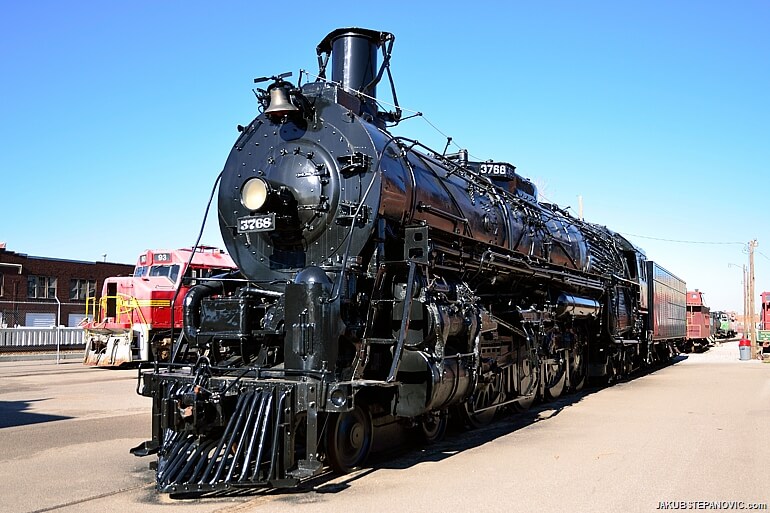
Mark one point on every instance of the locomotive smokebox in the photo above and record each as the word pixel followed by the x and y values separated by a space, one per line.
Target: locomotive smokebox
pixel 354 59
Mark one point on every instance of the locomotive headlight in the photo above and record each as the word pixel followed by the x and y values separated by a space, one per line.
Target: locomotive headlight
pixel 254 193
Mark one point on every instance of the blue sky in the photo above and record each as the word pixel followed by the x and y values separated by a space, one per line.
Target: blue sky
pixel 115 118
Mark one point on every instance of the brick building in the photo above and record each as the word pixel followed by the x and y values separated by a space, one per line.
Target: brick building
pixel 43 291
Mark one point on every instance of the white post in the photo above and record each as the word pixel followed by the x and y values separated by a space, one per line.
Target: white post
pixel 58 331
pixel 580 207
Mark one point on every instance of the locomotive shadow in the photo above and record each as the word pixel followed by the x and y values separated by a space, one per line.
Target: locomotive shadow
pixel 410 452
pixel 459 440
pixel 14 414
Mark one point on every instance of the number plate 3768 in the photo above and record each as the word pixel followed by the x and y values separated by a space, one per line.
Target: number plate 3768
pixel 250 224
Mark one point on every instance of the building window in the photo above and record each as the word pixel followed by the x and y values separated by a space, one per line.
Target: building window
pixel 82 289
pixel 1 284
pixel 41 287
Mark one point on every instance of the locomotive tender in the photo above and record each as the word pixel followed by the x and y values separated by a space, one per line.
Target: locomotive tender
pixel 382 282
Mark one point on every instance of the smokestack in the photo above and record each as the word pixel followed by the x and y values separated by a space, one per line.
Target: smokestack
pixel 354 59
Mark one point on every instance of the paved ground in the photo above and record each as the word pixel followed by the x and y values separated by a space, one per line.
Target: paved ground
pixel 687 435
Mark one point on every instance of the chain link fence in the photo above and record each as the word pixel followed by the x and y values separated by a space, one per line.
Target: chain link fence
pixel 41 314
pixel 40 325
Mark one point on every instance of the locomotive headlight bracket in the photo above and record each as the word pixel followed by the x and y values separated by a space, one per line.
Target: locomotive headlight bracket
pixel 254 193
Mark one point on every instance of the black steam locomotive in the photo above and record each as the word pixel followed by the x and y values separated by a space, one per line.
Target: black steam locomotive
pixel 380 282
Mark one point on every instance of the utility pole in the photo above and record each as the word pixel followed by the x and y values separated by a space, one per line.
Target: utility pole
pixel 745 302
pixel 752 332
pixel 745 295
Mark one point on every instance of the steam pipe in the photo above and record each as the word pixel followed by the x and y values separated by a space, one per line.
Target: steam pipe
pixel 192 303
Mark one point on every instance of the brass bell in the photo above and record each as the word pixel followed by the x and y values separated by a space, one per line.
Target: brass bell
pixel 279 102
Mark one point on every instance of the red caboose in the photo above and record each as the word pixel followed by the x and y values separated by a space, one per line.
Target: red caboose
pixel 698 321
pixel 132 322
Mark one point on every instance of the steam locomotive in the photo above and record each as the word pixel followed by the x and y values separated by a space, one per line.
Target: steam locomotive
pixel 381 282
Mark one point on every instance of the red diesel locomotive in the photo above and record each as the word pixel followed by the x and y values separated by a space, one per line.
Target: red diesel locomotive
pixel 132 321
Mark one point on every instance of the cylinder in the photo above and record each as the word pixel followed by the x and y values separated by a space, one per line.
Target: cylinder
pixel 424 386
pixel 451 385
